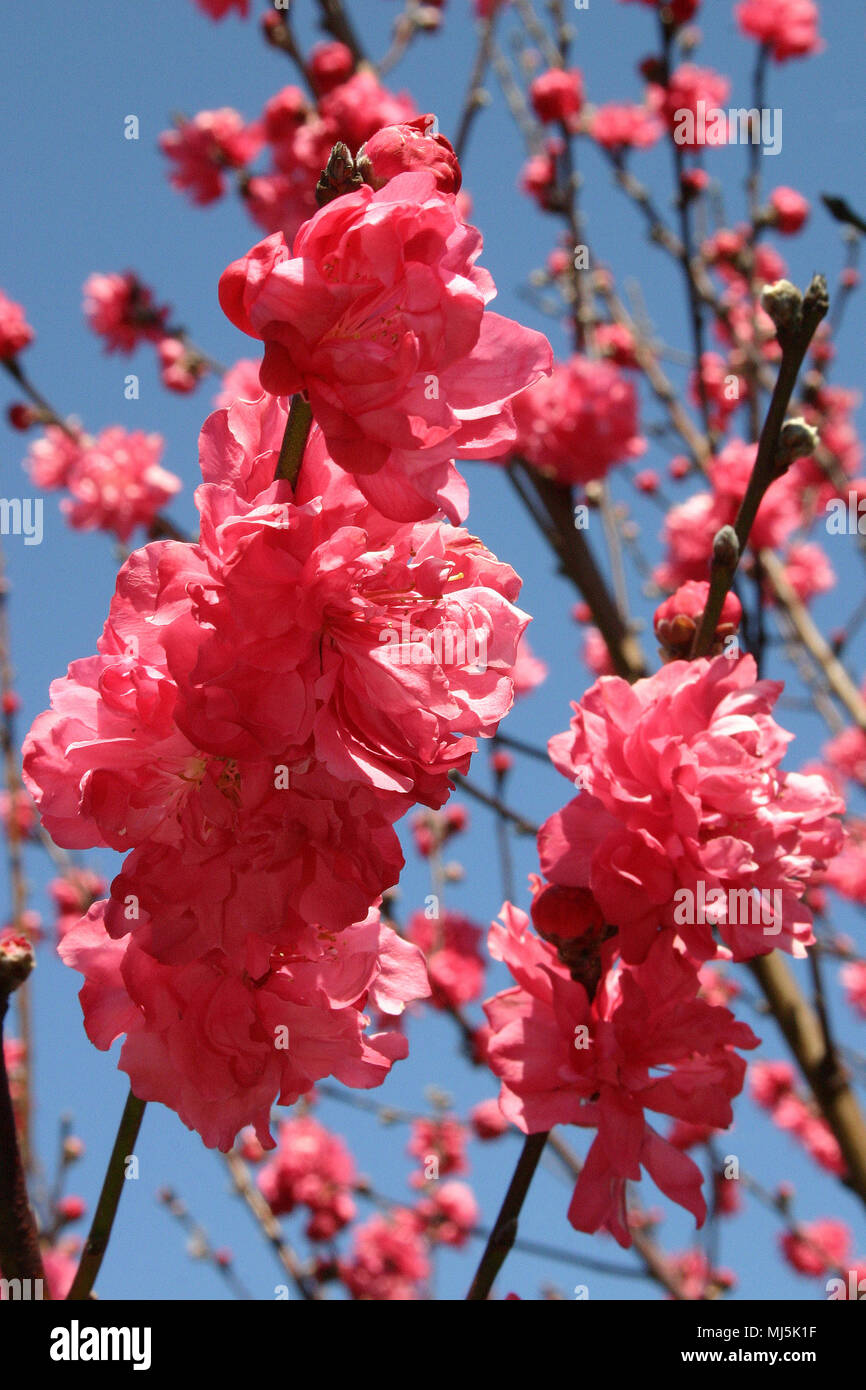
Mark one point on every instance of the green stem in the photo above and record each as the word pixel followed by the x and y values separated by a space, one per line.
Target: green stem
pixel 294 440
pixel 109 1198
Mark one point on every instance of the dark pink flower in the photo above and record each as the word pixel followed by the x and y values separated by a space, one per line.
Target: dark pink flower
pixel 120 309
pixel 692 93
pixel 329 65
pixel 557 95
pixel 676 619
pixel 408 148
pixel 439 1144
pixel 218 9
pixel 15 331
pixel 455 965
pixel 220 1038
pixel 448 1213
pixel 579 422
pixel 202 148
pixel 313 1168
pixel 788 27
pixel 487 1120
pixel 790 209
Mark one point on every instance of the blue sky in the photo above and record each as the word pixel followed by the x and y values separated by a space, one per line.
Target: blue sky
pixel 82 198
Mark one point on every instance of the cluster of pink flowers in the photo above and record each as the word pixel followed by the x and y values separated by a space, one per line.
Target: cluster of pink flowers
pixel 579 422
pixel 297 134
pixel 116 480
pixel 818 1247
pixel 683 816
pixel 389 1259
pixel 773 1087
pixel 388 1256
pixel 121 310
pixel 690 526
pixel 247 735
pixel 202 149
pixel 311 1168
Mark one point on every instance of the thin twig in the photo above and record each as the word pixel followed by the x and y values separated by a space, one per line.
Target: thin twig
pixel 109 1198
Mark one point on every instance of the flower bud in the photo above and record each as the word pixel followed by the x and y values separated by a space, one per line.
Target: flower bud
pixel 784 304
pixel 16 962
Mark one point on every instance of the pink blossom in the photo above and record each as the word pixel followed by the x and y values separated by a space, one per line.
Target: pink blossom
pixel 329 65
pixel 388 1261
pixel 557 95
pixel 120 309
pixel 683 787
pixel 529 671
pixel 202 148
pixel 313 1168
pixel 697 1279
pixel 117 483
pixel 676 619
pixel 808 570
pixel 596 653
pixel 73 895
pixel 15 331
pixel 770 1082
pixel 690 90
pixel 539 177
pixel 487 1120
pixel 817 1246
pixel 408 148
pixel 51 458
pixel 439 1144
pixel 620 126
pixel 790 210
pixel 690 527
pixel 360 106
pixel 204 1037
pixel 60 1262
pixel 18 815
pixel 218 9
pixel 788 27
pixel 616 342
pixel 725 389
pixel 448 1213
pixel 181 368
pixel 455 965
pixel 645 1041
pixel 403 369
pixel 387 614
pixel 240 383
pixel 579 422
pixel 71 1208
pixel 284 112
